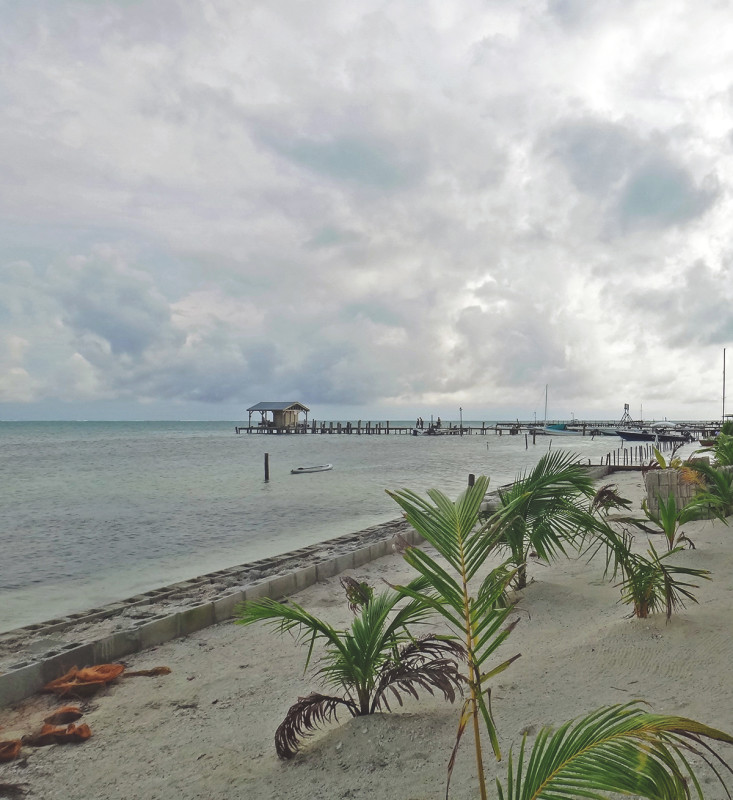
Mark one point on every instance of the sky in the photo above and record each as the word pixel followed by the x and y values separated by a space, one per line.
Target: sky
pixel 378 209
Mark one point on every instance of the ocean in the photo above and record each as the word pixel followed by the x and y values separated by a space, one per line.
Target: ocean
pixel 93 512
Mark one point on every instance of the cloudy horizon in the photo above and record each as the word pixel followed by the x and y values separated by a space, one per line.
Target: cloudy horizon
pixel 377 209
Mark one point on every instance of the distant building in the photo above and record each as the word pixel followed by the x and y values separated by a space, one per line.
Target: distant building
pixel 284 415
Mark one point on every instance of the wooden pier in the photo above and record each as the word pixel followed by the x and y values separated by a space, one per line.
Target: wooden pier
pixel 385 427
pixel 699 430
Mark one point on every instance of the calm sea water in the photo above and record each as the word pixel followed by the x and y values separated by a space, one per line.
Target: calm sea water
pixel 92 512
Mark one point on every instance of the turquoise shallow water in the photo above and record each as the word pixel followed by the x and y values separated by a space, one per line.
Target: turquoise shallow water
pixel 92 512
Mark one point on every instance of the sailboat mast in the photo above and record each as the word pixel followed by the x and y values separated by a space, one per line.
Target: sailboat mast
pixel 724 384
pixel 545 422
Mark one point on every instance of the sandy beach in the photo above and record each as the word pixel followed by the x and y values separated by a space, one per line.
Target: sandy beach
pixel 206 730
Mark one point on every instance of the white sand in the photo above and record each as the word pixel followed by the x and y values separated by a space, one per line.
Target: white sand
pixel 206 730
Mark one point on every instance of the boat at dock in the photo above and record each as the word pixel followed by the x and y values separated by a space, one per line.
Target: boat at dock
pixel 650 435
pixel 317 468
pixel 559 429
pixel 434 430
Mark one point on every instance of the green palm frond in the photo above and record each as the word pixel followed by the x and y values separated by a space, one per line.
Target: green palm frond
pixel 546 510
pixel 651 584
pixel 670 517
pixel 376 654
pixel 616 545
pixel 479 620
pixel 285 617
pixel 723 450
pixel 616 750
pixel 719 483
pixel 450 526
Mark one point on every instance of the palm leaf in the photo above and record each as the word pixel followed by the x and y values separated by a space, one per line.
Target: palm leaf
pixel 607 497
pixel 614 750
pixel 450 526
pixel 453 529
pixel 428 663
pixel 286 617
pixel 305 716
pixel 545 510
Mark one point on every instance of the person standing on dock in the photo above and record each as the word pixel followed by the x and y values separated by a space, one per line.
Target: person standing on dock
pixel 437 424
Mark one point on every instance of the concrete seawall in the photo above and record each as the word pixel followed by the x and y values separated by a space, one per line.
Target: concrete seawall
pixel 32 656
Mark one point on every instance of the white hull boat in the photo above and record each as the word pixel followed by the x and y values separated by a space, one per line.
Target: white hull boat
pixel 318 468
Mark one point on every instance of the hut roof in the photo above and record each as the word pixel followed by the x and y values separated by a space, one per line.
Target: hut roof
pixel 288 406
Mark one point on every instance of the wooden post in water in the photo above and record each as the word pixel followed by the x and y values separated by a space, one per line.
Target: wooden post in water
pixel 471 479
pixel 267 466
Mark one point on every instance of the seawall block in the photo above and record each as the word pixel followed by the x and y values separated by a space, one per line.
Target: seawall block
pixel 59 664
pixel 282 586
pixel 158 631
pixel 194 619
pixel 23 681
pixel 224 606
pixel 115 646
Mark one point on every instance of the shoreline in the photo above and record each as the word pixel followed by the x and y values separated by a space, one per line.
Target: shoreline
pixel 33 655
pixel 206 729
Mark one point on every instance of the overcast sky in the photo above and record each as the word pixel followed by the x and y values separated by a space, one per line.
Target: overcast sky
pixel 379 209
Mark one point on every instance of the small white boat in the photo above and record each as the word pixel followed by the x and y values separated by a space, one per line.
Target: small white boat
pixel 433 430
pixel 318 468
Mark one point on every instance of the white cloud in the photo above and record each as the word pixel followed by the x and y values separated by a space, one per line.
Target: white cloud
pixel 219 203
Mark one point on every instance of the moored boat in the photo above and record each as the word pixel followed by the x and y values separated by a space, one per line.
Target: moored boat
pixel 560 429
pixel 434 430
pixel 317 468
pixel 649 435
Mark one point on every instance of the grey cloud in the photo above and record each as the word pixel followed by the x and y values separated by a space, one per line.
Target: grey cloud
pixel 573 14
pixel 661 193
pixel 331 237
pixel 119 306
pixel 597 154
pixel 352 159
pixel 375 311
pixel 695 311
pixel 303 204
pixel 635 182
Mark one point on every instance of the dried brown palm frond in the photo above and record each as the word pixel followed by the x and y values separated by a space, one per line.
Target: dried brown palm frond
pixel 305 716
pixel 9 749
pixel 427 663
pixel 51 734
pixel 358 593
pixel 607 497
pixel 81 682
